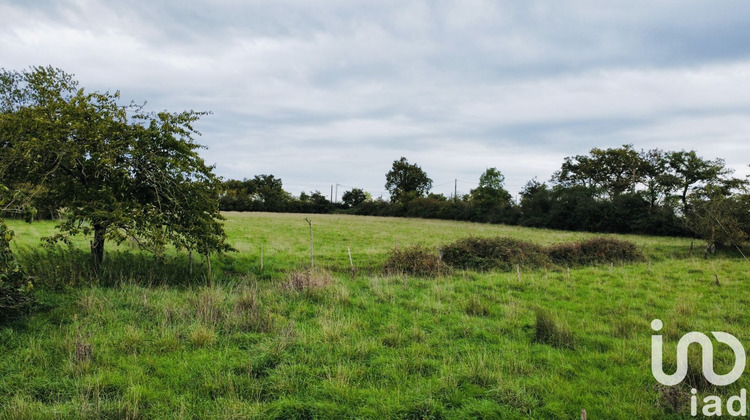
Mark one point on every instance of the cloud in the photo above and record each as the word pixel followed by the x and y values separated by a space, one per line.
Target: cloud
pixel 333 91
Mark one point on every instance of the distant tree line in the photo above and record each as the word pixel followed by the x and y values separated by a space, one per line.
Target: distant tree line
pixel 615 190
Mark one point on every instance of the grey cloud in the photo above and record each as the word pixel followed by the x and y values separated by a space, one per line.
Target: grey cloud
pixel 328 92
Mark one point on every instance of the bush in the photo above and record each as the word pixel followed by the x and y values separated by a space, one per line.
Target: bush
pixel 567 254
pixel 594 251
pixel 414 260
pixel 608 250
pixel 15 287
pixel 494 253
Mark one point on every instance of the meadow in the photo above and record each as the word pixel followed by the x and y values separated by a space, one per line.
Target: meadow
pixel 149 339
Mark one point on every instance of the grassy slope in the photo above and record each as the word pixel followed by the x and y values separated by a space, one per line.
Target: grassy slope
pixel 369 346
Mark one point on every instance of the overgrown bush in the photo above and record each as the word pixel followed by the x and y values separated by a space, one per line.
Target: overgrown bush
pixel 608 250
pixel 493 253
pixel 549 330
pixel 594 251
pixel 415 260
pixel 566 254
pixel 15 287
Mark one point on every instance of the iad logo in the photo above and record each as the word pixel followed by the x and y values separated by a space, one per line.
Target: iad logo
pixel 708 357
pixel 713 406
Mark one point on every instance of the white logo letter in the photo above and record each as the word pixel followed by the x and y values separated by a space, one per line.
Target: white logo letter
pixel 707 351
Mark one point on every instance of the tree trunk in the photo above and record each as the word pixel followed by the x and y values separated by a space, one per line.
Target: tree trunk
pixel 97 245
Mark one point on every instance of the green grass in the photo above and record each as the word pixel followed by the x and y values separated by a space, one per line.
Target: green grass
pixel 148 340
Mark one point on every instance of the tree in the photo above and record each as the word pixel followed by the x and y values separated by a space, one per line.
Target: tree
pixel 406 181
pixel 717 218
pixel 354 197
pixel 614 170
pixel 490 192
pixel 655 176
pixel 688 172
pixel 119 171
pixel 270 191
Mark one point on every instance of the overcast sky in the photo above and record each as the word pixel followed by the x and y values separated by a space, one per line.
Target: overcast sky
pixel 333 91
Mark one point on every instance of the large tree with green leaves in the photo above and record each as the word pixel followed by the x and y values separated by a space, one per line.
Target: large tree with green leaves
pixel 355 197
pixel 406 181
pixel 118 171
pixel 612 171
pixel 688 172
pixel 490 192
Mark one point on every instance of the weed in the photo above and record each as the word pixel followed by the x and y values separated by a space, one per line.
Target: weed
pixel 307 279
pixel 208 306
pixel 249 314
pixel 672 399
pixel 477 307
pixel 549 330
pixel 83 351
pixel 202 336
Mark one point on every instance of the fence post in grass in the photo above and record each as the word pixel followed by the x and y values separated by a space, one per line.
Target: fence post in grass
pixel 312 252
pixel 583 414
pixel 208 261
pixel 351 262
pixel 518 272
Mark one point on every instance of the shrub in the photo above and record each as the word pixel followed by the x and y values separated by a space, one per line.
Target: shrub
pixel 15 287
pixel 608 250
pixel 493 253
pixel 549 330
pixel 414 260
pixel 565 254
pixel 594 251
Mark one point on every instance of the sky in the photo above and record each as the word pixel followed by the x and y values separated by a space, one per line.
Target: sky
pixel 331 92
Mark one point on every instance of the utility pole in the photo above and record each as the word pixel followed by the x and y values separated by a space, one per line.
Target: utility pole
pixel 455 189
pixel 331 193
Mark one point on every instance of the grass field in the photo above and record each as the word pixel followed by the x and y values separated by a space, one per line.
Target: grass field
pixel 249 344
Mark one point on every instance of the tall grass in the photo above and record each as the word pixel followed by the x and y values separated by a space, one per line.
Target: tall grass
pixel 145 339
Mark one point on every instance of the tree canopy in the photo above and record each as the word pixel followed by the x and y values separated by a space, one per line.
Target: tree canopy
pixel 406 181
pixel 354 197
pixel 118 171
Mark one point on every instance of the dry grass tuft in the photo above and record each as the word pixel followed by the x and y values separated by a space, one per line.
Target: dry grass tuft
pixel 672 399
pixel 249 313
pixel 208 306
pixel 307 279
pixel 83 352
